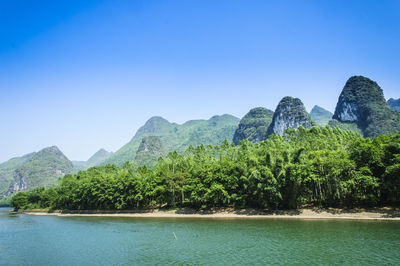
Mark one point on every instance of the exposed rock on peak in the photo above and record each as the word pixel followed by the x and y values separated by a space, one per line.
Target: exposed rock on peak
pixel 42 169
pixel 254 125
pixel 358 92
pixel 150 149
pixel 290 113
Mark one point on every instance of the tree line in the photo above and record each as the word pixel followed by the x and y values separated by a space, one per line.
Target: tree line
pixel 317 167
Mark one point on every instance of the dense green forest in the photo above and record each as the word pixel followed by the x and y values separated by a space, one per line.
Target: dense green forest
pixel 315 167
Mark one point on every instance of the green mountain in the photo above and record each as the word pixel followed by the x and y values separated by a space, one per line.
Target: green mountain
pixel 43 168
pixel 7 170
pixel 290 113
pixel 178 137
pixel 320 116
pixel 96 159
pixel 254 125
pixel 150 149
pixel 362 103
pixel 394 104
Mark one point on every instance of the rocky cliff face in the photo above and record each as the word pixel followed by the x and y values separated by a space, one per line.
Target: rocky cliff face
pixel 42 169
pixel 394 104
pixel 150 149
pixel 18 184
pixel 358 92
pixel 290 113
pixel 362 102
pixel 254 125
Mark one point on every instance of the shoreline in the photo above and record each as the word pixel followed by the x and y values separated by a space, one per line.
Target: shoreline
pixel 385 213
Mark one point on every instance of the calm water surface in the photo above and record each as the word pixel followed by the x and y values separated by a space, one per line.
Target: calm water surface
pixel 47 240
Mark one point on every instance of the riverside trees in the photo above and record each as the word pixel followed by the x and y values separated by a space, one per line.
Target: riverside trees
pixel 319 166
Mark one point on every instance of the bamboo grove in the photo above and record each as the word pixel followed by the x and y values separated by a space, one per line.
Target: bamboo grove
pixel 315 167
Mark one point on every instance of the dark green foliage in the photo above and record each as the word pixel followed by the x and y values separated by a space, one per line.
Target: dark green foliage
pixel 318 166
pixel 320 116
pixel 362 102
pixel 178 137
pixel 254 125
pixel 394 104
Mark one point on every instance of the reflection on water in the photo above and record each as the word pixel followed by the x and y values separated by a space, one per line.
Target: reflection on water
pixel 82 241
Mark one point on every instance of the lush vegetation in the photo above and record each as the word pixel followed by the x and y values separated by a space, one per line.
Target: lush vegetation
pixel 320 116
pixel 374 116
pixel 178 137
pixel 320 166
pixel 254 125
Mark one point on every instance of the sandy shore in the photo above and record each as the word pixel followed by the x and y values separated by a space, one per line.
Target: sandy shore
pixel 387 213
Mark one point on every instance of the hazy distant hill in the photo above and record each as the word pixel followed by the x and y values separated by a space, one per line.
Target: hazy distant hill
pixel 96 159
pixel 41 169
pixel 394 104
pixel 178 137
pixel 320 116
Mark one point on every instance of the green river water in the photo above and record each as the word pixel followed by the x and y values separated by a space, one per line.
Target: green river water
pixel 48 240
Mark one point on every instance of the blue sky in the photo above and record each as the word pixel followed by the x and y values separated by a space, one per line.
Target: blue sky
pixel 84 75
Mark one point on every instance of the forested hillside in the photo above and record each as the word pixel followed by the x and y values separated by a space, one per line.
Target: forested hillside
pixel 319 167
pixel 178 137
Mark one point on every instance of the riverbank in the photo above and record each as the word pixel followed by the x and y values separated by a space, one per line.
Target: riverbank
pixel 384 213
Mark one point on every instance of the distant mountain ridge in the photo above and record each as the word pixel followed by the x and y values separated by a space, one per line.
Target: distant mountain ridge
pixel 320 116
pixel 96 159
pixel 178 137
pixel 394 104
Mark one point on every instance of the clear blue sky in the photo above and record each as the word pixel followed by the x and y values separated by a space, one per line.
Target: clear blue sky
pixel 84 75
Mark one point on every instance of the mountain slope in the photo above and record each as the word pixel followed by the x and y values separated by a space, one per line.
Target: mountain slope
pixel 254 125
pixel 178 137
pixel 42 169
pixel 320 116
pixel 150 149
pixel 362 102
pixel 290 113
